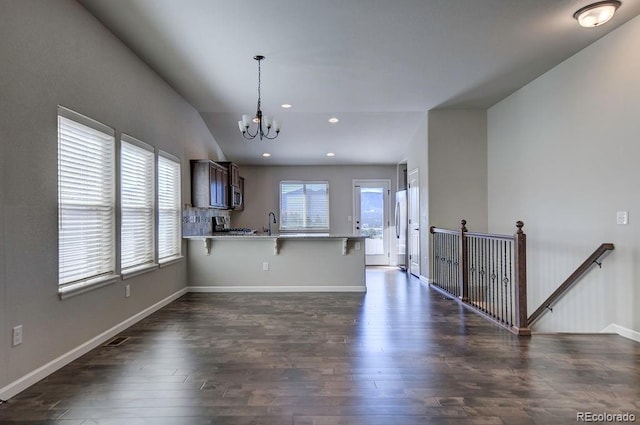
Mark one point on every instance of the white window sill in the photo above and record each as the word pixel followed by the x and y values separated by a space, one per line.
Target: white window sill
pixel 171 260
pixel 73 289
pixel 137 271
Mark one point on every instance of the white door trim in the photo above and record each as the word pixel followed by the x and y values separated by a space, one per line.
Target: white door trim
pixel 386 184
pixel 413 196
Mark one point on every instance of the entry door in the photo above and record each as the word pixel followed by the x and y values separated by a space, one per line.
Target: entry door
pixel 371 218
pixel 413 181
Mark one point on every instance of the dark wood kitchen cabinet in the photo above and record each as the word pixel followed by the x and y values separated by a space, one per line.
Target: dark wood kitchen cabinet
pixel 234 173
pixel 209 183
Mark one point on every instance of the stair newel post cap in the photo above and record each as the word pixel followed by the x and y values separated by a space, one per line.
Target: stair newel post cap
pixel 432 229
pixel 463 224
pixel 519 225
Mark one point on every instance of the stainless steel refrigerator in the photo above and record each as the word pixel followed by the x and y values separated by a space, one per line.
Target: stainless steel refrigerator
pixel 401 229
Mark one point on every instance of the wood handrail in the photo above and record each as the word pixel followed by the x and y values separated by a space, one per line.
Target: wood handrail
pixel 434 229
pixel 570 281
pixel 489 236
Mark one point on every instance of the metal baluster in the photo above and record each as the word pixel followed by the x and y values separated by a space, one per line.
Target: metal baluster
pixel 472 275
pixel 455 271
pixel 510 284
pixel 493 277
pixel 500 281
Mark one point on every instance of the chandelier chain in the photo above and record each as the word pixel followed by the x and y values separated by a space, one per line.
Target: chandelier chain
pixel 259 81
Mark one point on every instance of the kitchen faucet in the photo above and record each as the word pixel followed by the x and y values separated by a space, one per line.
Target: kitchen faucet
pixel 271 214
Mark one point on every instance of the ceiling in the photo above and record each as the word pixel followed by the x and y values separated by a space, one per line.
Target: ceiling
pixel 376 65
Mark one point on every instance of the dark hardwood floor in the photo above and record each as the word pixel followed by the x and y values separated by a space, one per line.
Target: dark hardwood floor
pixel 401 354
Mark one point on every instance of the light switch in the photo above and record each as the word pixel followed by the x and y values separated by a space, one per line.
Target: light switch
pixel 622 217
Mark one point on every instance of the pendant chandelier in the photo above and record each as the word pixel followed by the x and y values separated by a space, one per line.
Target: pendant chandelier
pixel 264 122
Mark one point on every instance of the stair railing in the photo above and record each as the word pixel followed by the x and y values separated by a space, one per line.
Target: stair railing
pixel 488 273
pixel 547 305
pixel 485 272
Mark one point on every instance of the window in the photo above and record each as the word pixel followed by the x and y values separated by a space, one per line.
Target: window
pixel 137 200
pixel 86 201
pixel 169 213
pixel 304 205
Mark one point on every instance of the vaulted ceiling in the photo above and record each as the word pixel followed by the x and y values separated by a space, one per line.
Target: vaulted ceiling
pixel 376 65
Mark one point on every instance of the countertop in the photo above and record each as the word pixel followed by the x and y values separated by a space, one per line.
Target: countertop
pixel 257 236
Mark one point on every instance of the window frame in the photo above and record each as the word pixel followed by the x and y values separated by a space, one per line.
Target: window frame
pixel 175 256
pixel 147 259
pixel 108 271
pixel 305 228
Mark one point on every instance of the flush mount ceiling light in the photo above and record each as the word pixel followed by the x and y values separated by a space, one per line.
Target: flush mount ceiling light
pixel 597 14
pixel 263 121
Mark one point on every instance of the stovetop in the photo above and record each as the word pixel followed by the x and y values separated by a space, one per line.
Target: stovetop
pixel 235 231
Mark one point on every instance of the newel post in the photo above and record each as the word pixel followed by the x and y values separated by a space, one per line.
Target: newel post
pixel 520 238
pixel 464 261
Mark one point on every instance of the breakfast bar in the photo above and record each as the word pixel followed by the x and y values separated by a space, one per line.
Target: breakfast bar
pixel 308 262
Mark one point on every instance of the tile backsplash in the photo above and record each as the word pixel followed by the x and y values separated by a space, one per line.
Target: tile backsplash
pixel 198 221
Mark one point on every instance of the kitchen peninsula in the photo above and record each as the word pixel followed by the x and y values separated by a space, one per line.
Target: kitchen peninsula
pixel 277 263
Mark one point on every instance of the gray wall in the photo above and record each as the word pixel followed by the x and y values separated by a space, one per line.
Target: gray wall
pixel 563 156
pixel 449 149
pixel 418 159
pixel 262 191
pixel 55 52
pixel 458 169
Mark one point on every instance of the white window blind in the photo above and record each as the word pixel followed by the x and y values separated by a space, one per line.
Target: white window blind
pixel 169 213
pixel 304 205
pixel 136 204
pixel 86 198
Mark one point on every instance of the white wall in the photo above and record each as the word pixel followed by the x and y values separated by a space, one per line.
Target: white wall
pixel 262 188
pixel 458 169
pixel 55 52
pixel 563 156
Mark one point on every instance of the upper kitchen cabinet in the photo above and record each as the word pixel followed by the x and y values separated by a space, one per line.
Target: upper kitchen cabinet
pixel 234 173
pixel 234 200
pixel 209 183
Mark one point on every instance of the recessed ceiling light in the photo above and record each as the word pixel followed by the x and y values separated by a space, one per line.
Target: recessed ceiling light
pixel 331 154
pixel 286 106
pixel 333 120
pixel 597 14
pixel 266 154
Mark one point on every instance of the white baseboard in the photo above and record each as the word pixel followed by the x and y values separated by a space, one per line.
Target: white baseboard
pixel 622 331
pixel 42 372
pixel 425 280
pixel 277 289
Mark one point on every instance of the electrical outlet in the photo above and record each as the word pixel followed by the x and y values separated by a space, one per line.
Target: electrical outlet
pixel 17 335
pixel 127 291
pixel 265 266
pixel 357 246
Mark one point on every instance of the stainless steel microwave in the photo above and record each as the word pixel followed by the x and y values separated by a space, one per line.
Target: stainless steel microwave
pixel 235 197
